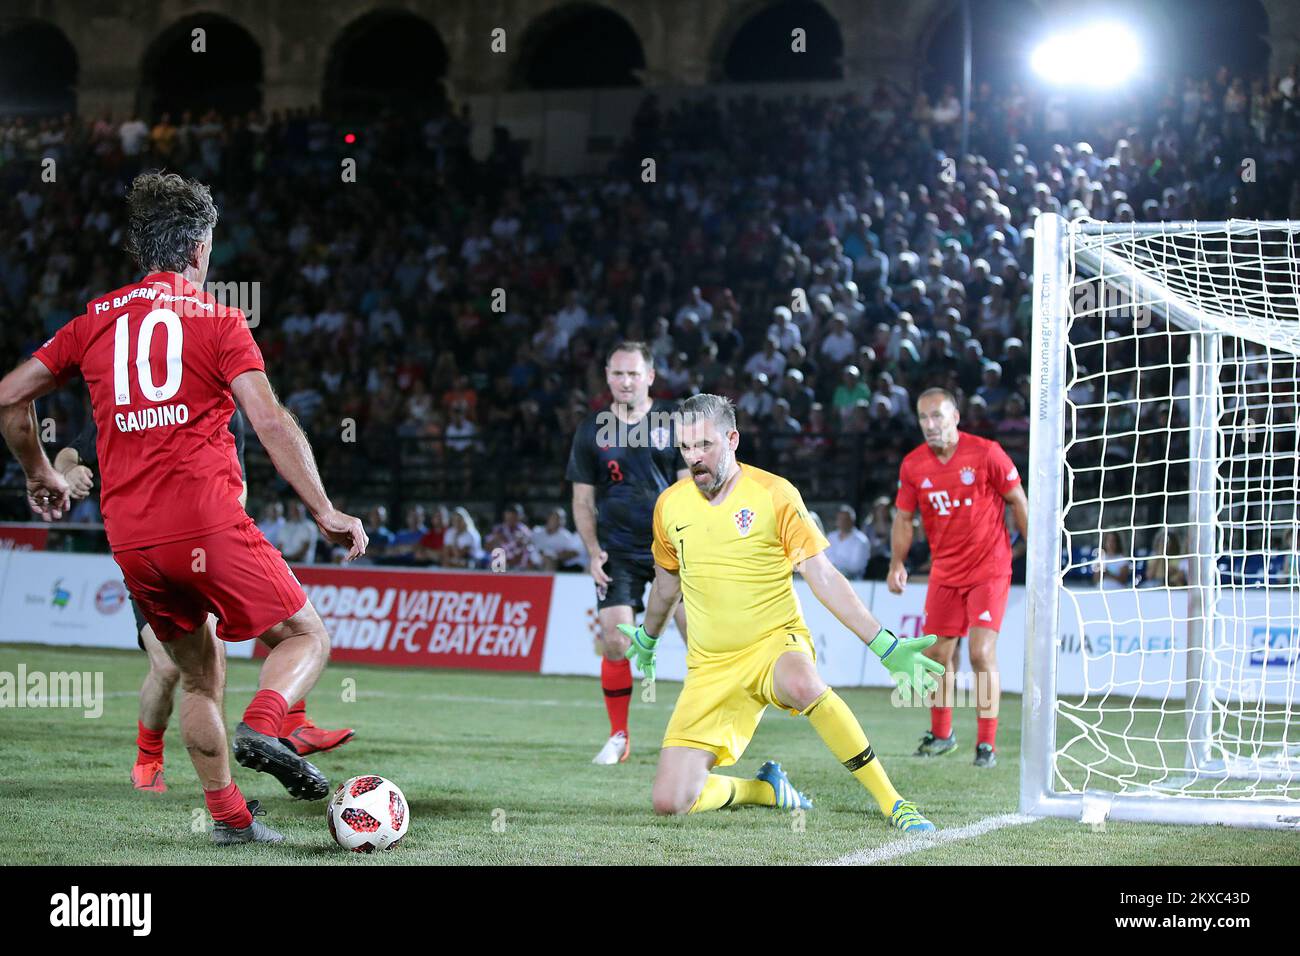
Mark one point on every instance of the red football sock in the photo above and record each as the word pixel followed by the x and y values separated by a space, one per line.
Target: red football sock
pixel 149 744
pixel 294 718
pixel 941 721
pixel 988 730
pixel 616 682
pixel 266 712
pixel 227 806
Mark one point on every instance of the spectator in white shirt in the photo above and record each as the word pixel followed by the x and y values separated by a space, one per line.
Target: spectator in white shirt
pixel 330 321
pixel 384 315
pixel 475 245
pixel 899 403
pixel 573 316
pixel 550 342
pixel 850 550
pixel 768 362
pixel 133 133
pixel 846 301
pixel 956 264
pixel 461 433
pixel 315 271
pixel 560 549
pixel 1286 85
pixel 947 110
pixel 757 400
pixel 879 531
pixel 298 322
pixel 676 378
pixel 298 537
pixel 438 277
pixel 783 329
pixel 696 303
pixel 838 345
pixel 810 322
pixel 998 255
pixel 463 547
pixel 1113 568
pixel 506 225
pixel 662 345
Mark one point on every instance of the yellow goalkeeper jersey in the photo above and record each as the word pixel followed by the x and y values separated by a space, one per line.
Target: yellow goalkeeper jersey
pixel 736 558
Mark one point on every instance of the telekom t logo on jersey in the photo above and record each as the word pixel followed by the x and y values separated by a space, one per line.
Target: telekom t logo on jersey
pixel 940 502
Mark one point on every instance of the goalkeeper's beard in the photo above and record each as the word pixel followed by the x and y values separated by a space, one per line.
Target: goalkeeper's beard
pixel 719 478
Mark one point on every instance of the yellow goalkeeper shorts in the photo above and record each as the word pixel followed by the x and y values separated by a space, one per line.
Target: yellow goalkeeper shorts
pixel 725 695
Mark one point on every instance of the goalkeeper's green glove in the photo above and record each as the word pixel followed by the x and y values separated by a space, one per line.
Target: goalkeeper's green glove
pixel 902 657
pixel 641 651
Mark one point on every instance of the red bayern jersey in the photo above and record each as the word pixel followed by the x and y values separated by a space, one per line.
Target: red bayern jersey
pixel 962 508
pixel 158 357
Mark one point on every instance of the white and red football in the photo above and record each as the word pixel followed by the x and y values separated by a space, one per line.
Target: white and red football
pixel 368 813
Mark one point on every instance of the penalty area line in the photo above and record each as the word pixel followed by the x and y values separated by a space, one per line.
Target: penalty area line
pixel 906 846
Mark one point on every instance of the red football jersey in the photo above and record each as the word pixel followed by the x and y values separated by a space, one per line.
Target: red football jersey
pixel 962 508
pixel 158 357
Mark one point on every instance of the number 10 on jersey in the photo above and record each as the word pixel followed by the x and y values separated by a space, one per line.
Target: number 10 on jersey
pixel 171 323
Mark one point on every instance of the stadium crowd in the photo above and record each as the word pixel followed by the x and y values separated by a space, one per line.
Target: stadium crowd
pixel 443 320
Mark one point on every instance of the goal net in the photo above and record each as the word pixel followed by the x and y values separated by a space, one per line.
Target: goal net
pixel 1164 585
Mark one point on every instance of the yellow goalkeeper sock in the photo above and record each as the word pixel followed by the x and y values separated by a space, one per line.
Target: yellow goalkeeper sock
pixel 842 733
pixel 720 791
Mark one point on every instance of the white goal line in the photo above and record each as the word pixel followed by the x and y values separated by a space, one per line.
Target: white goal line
pixel 905 845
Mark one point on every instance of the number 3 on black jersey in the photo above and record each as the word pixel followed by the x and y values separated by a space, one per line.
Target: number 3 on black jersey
pixel 615 473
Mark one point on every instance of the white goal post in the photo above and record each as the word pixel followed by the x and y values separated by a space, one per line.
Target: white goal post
pixel 1162 641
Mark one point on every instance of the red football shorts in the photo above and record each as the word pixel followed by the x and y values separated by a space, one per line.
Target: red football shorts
pixel 952 612
pixel 235 574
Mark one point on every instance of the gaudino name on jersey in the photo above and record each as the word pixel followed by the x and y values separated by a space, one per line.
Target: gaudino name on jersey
pixel 152 418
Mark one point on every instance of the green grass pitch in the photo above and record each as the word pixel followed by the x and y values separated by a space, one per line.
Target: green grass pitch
pixel 497 771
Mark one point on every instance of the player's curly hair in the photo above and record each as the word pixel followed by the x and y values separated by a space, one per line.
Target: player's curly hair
pixel 168 215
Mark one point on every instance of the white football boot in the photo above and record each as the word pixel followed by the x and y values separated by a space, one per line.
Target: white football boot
pixel 615 750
